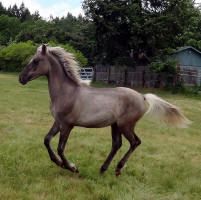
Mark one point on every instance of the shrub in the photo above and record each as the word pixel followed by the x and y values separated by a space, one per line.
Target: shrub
pixel 168 66
pixel 78 54
pixel 15 56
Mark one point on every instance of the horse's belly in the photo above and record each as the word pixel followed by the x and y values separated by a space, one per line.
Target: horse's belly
pixel 96 120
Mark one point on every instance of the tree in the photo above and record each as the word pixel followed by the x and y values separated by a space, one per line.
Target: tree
pixel 36 15
pixel 3 10
pixel 112 26
pixel 24 13
pixel 148 26
pixel 9 27
pixel 167 21
pixel 38 31
pixel 77 31
pixel 14 11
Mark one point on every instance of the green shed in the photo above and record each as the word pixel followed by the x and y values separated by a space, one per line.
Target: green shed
pixel 189 64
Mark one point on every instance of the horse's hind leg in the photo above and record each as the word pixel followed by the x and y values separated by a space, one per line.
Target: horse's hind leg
pixel 52 132
pixel 134 142
pixel 64 134
pixel 116 144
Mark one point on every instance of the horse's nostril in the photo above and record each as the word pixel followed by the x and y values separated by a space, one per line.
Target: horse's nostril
pixel 21 80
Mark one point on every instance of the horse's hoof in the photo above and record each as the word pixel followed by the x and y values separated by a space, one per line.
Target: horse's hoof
pixel 118 172
pixel 102 170
pixel 74 169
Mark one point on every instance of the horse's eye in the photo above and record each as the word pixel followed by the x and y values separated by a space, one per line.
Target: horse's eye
pixel 35 62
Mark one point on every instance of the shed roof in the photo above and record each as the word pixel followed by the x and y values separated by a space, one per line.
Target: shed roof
pixel 186 48
pixel 188 56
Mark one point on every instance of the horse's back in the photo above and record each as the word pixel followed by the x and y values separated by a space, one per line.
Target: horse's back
pixel 104 106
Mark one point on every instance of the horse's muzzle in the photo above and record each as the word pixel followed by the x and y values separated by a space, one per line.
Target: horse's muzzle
pixel 22 80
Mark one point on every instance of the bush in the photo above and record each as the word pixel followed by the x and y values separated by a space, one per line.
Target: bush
pixel 168 66
pixel 82 60
pixel 15 56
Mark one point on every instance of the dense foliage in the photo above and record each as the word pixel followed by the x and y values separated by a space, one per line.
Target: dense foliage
pixel 78 54
pixel 112 31
pixel 16 55
pixel 148 26
pixel 18 25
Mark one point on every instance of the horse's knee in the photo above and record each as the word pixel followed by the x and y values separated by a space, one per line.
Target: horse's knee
pixel 135 143
pixel 47 140
pixel 118 145
pixel 133 146
pixel 138 141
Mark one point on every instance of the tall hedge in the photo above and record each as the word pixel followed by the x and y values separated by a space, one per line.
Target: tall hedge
pixel 82 60
pixel 14 57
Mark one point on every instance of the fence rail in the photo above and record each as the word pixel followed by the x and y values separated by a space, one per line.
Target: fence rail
pixel 144 78
pixel 129 77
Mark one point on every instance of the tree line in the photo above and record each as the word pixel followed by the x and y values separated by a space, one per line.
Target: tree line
pixel 19 29
pixel 152 27
pixel 112 31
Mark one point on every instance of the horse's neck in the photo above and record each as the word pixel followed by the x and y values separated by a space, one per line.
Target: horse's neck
pixel 58 83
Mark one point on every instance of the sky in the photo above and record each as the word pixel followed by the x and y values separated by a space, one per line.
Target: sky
pixel 56 8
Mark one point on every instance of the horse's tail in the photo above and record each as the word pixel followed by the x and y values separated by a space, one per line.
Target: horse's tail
pixel 164 111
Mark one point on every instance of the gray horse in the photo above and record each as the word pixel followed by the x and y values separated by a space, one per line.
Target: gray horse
pixel 76 104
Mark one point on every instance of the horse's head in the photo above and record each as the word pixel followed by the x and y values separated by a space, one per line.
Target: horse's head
pixel 38 66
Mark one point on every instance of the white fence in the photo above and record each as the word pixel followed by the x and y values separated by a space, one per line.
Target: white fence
pixel 86 73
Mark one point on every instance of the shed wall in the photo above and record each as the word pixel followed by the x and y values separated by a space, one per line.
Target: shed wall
pixel 188 58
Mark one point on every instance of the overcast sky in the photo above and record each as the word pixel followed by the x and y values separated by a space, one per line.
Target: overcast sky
pixel 52 7
pixel 49 7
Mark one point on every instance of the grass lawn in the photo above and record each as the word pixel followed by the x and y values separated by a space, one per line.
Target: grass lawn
pixel 167 166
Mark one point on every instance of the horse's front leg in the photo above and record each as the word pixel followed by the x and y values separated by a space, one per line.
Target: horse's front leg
pixel 64 134
pixel 52 132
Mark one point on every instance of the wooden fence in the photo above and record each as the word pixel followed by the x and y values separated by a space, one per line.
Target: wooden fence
pixel 138 77
pixel 141 76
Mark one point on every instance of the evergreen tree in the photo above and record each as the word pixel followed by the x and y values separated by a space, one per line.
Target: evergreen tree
pixel 150 26
pixel 3 10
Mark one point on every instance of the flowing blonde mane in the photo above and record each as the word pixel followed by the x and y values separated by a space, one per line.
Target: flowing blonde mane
pixel 70 65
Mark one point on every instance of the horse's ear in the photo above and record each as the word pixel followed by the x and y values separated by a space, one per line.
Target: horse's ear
pixel 44 49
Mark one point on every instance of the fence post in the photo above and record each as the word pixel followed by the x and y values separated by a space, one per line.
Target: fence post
pixel 125 77
pixel 94 75
pixel 109 72
pixel 143 78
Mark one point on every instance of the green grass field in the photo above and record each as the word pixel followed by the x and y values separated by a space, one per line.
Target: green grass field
pixel 167 166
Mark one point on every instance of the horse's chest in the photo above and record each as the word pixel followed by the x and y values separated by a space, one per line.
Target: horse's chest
pixel 61 113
